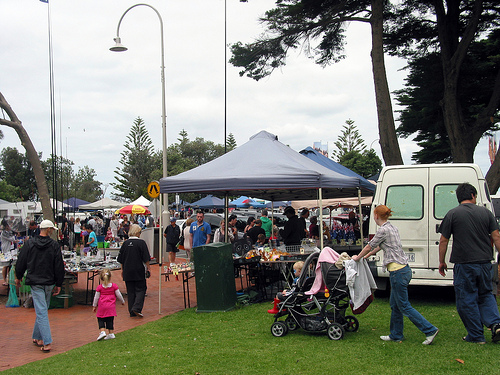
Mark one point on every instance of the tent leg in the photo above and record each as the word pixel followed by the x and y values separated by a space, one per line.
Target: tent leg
pixel 320 192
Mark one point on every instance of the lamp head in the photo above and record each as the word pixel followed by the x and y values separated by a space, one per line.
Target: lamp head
pixel 118 47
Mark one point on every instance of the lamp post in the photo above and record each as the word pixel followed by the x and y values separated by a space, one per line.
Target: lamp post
pixel 165 217
pixel 118 47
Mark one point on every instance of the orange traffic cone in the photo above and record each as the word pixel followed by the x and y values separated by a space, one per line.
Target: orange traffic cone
pixel 275 309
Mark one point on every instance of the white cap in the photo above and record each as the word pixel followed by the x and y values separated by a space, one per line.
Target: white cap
pixel 48 224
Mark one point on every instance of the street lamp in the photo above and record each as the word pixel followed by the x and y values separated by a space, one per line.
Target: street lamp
pixel 119 47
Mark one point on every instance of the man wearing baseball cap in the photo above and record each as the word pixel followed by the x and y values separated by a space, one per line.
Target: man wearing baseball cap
pixel 41 257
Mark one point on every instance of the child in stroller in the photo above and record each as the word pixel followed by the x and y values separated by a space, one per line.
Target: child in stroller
pixel 324 310
pixel 281 296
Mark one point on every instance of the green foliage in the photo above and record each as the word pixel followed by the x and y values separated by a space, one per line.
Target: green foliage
pixel 349 140
pixel 136 163
pixel 84 185
pixel 230 142
pixel 317 27
pixel 240 342
pixel 17 171
pixel 8 192
pixel 424 90
pixel 365 163
pixel 64 177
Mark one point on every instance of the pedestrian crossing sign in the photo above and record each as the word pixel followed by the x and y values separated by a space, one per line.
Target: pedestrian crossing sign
pixel 153 189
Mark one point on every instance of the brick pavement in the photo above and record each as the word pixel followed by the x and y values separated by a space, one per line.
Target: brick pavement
pixel 77 325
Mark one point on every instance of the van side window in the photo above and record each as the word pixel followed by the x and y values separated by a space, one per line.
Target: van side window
pixel 444 200
pixel 405 201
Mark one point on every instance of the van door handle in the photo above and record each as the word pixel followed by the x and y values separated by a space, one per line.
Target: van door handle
pixel 437 227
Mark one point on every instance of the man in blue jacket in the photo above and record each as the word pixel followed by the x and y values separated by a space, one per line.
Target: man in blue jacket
pixel 41 257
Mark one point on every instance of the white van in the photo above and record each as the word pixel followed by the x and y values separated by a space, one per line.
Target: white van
pixel 420 196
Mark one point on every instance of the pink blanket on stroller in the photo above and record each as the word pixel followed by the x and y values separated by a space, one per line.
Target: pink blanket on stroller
pixel 327 255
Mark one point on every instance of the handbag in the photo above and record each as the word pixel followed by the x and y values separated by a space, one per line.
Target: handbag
pixel 181 242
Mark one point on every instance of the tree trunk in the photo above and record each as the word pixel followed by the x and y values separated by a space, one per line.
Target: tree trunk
pixel 32 155
pixel 454 45
pixel 387 130
pixel 493 175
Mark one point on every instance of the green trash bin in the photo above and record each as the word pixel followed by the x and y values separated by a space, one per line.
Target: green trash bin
pixel 214 273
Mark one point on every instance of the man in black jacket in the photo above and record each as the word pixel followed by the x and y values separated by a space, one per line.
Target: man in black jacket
pixel 293 231
pixel 41 257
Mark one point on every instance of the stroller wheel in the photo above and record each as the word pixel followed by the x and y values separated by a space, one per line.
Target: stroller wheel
pixel 352 323
pixel 279 329
pixel 291 323
pixel 335 331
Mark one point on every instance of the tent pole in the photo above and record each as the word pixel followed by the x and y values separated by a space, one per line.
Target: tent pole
pixel 320 219
pixel 226 217
pixel 360 217
pixel 160 248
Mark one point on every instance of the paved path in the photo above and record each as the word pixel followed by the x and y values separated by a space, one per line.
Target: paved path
pixel 77 325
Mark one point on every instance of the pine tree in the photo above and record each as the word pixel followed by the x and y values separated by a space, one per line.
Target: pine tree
pixel 349 140
pixel 137 163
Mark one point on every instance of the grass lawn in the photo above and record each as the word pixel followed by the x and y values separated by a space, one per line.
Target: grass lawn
pixel 240 342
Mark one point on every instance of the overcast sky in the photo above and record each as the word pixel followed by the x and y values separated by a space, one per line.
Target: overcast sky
pixel 99 94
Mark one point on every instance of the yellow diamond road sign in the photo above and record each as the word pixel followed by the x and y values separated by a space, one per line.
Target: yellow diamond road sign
pixel 154 189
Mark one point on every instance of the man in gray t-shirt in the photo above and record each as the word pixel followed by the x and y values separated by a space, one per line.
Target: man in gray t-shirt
pixel 473 229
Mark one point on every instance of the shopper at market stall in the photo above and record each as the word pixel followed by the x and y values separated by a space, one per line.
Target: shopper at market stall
pixel 200 231
pixel 395 260
pixel 232 228
pixel 304 215
pixel 172 234
pixel 219 235
pixel 77 229
pixel 42 259
pixel 134 258
pixel 187 237
pixel 33 229
pixel 92 240
pixel 8 240
pixel 250 224
pixel 293 232
pixel 314 228
pixel 267 224
pixel 254 232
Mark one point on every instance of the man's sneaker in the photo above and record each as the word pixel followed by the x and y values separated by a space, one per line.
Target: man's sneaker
pixel 386 338
pixel 110 336
pixel 429 339
pixel 495 333
pixel 474 342
pixel 101 336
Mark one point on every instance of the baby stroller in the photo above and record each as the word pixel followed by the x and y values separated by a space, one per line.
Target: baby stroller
pixel 322 311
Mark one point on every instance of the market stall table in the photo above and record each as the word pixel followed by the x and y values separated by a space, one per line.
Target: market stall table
pixel 187 273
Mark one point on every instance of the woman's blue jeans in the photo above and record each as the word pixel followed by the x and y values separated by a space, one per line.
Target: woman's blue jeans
pixel 41 300
pixel 401 307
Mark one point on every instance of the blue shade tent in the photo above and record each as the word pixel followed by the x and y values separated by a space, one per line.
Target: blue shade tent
pixel 74 203
pixel 245 202
pixel 210 202
pixel 276 173
pixel 316 156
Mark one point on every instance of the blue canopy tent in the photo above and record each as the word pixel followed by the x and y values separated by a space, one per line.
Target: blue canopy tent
pixel 73 203
pixel 319 158
pixel 210 202
pixel 245 202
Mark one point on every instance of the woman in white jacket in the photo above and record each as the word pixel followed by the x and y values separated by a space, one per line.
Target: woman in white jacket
pixel 186 235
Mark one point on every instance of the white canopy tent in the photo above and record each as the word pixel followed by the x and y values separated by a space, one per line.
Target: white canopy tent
pixel 142 201
pixel 105 203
